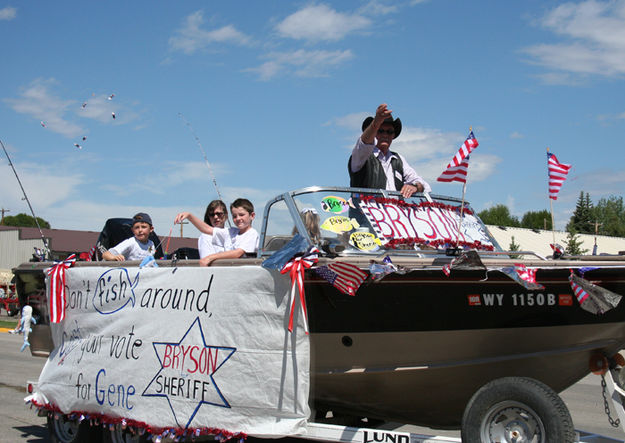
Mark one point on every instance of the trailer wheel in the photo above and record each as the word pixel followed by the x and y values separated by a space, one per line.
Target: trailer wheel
pixel 64 430
pixel 514 409
pixel 117 434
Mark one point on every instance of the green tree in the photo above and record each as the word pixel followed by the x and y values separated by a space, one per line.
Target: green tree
pixel 499 215
pixel 610 216
pixel 582 220
pixel 573 243
pixel 514 247
pixel 536 220
pixel 25 220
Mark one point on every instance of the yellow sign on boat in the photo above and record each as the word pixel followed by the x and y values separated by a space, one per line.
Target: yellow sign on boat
pixel 365 241
pixel 339 223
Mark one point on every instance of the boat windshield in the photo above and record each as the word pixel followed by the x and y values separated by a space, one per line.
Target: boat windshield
pixel 348 222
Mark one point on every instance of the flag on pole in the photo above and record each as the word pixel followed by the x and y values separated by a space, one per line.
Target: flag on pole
pixel 456 173
pixel 456 170
pixel 557 175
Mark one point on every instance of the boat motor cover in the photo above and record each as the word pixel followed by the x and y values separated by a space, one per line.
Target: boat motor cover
pixel 115 231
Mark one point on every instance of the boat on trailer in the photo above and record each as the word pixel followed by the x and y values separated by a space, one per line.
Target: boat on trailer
pixel 443 332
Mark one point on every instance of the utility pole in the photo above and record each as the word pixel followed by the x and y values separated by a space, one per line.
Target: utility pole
pixel 182 223
pixel 3 211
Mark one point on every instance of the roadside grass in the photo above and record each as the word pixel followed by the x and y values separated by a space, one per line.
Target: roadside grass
pixel 11 324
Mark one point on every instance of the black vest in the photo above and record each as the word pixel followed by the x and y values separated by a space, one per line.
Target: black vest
pixel 371 175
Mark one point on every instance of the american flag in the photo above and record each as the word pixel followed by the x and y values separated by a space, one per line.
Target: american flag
pixel 527 274
pixel 456 173
pixel 456 170
pixel 343 276
pixel 557 175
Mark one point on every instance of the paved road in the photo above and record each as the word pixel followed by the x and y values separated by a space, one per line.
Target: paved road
pixel 20 424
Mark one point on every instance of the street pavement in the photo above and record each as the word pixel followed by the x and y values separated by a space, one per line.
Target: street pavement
pixel 18 423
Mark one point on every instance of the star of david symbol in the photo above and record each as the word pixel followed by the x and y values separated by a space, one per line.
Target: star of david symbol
pixel 186 374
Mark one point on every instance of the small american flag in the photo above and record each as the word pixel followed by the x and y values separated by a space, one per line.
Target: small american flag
pixel 527 274
pixel 343 276
pixel 557 175
pixel 456 173
pixel 467 147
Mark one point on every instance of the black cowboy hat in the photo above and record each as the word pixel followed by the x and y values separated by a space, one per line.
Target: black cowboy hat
pixel 396 124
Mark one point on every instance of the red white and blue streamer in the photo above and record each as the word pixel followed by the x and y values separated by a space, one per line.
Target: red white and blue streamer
pixel 56 293
pixel 296 268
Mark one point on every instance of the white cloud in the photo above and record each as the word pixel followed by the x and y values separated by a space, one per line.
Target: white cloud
pixel 594 34
pixel 320 23
pixel 40 102
pixel 516 135
pixel 375 8
pixel 45 184
pixel 100 108
pixel 301 63
pixel 37 101
pixel 8 13
pixel 173 173
pixel 351 121
pixel 191 37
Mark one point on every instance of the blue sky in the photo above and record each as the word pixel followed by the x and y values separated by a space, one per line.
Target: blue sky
pixel 276 92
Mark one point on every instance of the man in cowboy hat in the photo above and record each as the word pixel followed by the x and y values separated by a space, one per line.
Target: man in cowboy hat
pixel 373 165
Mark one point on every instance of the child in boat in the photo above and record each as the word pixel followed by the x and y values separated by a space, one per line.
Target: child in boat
pixel 137 247
pixel 236 241
pixel 216 215
pixel 310 217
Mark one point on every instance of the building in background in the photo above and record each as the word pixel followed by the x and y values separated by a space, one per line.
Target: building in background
pixel 539 240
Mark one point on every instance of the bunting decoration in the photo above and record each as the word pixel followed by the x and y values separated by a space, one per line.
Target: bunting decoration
pixel 466 260
pixel 296 268
pixel 377 271
pixel 523 275
pixel 343 276
pixel 56 296
pixel 593 298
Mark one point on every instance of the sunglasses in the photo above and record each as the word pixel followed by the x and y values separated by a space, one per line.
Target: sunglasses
pixel 387 131
pixel 217 214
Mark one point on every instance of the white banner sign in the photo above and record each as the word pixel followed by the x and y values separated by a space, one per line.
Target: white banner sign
pixel 181 348
pixel 428 222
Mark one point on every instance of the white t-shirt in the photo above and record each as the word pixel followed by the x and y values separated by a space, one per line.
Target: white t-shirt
pixel 132 249
pixel 206 247
pixel 230 239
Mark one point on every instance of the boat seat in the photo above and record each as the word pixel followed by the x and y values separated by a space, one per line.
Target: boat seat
pixel 276 242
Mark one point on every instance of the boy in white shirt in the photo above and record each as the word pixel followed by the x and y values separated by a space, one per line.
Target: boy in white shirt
pixel 137 247
pixel 235 241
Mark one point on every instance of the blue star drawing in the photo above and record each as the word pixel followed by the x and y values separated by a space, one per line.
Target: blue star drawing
pixel 185 377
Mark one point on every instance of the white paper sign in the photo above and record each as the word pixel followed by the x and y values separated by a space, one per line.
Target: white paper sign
pixel 181 348
pixel 431 223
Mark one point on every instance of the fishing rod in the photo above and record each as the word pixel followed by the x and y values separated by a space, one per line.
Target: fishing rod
pixel 210 171
pixel 46 250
